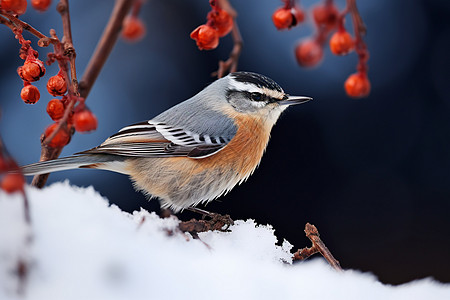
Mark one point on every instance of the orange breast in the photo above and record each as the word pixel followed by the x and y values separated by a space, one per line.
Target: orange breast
pixel 242 154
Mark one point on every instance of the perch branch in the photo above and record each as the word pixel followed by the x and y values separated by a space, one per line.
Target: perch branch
pixel 317 246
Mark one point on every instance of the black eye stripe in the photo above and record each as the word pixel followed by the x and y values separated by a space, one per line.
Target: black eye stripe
pixel 254 96
pixel 257 97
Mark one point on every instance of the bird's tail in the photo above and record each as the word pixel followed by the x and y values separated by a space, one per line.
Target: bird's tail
pixel 71 162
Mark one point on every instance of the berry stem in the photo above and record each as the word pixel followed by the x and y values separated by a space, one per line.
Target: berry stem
pixel 14 23
pixel 136 8
pixel 69 50
pixel 231 64
pixel 360 30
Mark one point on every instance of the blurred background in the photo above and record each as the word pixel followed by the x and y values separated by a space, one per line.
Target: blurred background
pixel 372 174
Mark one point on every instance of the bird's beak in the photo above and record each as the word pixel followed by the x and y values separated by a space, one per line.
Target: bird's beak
pixel 291 100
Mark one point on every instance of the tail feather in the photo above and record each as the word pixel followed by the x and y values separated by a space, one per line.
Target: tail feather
pixel 66 163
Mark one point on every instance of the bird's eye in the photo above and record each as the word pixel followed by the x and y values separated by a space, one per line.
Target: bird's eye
pixel 256 96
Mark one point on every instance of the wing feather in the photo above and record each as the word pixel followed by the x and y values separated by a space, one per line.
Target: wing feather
pixel 156 139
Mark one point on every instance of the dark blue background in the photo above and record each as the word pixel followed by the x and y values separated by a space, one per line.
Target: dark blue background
pixel 372 174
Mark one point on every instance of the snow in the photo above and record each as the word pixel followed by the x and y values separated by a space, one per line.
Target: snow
pixel 83 248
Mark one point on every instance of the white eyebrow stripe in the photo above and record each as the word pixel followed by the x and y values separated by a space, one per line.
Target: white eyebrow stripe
pixel 251 88
pixel 242 86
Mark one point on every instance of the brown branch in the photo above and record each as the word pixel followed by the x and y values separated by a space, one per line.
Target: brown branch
pixel 104 46
pixel 47 153
pixel 69 50
pixel 101 53
pixel 317 246
pixel 231 64
pixel 7 22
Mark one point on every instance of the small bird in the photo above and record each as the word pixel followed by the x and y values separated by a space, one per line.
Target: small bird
pixel 195 151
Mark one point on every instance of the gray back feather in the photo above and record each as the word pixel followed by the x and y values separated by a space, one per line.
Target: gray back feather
pixel 201 113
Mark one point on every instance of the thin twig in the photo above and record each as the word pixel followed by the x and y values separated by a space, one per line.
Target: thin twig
pixel 104 46
pixel 360 30
pixel 231 64
pixel 25 26
pixel 69 50
pixel 317 246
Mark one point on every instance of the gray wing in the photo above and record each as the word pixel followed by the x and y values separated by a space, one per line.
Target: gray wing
pixel 157 139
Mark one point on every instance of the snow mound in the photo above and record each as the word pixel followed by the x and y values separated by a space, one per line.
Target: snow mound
pixel 80 247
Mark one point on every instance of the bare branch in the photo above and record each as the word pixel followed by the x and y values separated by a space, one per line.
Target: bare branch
pixel 13 20
pixel 69 50
pixel 318 246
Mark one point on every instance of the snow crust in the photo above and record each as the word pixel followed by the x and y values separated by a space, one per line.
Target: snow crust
pixel 80 247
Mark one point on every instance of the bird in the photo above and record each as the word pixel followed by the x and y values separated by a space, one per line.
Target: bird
pixel 195 151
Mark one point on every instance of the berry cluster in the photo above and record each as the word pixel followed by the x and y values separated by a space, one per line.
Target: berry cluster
pixel 79 118
pixel 219 23
pixel 32 70
pixel 327 20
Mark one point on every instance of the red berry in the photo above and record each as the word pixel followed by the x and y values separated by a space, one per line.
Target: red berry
pixel 341 43
pixel 30 94
pixel 206 37
pixel 55 109
pixel 133 29
pixel 285 18
pixel 12 182
pixel 308 53
pixel 282 18
pixel 31 70
pixel 357 85
pixel 56 85
pixel 15 6
pixel 326 15
pixel 221 21
pixel 84 121
pixel 61 138
pixel 41 5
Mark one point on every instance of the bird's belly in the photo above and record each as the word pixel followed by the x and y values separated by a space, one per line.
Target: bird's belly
pixel 180 182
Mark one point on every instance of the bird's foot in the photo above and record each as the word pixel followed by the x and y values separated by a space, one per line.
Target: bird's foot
pixel 216 222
